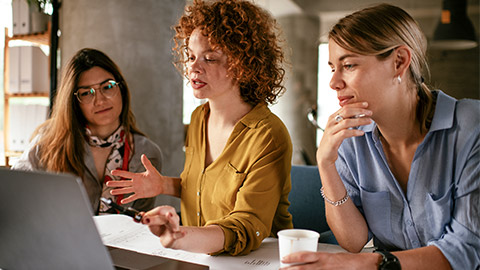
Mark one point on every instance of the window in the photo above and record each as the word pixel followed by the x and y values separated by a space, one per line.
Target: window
pixel 189 101
pixel 327 102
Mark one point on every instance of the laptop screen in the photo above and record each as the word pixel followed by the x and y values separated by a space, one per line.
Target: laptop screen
pixel 46 223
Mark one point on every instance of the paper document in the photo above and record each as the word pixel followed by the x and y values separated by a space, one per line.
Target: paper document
pixel 121 231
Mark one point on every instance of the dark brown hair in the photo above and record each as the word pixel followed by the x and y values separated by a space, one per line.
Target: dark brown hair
pixel 62 137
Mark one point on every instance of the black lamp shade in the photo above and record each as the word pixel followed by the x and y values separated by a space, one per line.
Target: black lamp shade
pixel 455 31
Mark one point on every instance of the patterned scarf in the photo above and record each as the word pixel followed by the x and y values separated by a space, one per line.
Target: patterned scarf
pixel 114 161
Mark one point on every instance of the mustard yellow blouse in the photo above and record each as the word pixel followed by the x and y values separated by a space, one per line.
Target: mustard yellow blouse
pixel 245 190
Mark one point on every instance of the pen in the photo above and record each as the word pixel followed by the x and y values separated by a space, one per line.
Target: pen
pixel 127 211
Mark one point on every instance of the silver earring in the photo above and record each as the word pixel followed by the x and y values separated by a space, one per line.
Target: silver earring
pixel 399 79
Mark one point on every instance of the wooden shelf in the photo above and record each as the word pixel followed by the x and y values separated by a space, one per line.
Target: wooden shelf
pixel 42 38
pixel 9 155
pixel 37 39
pixel 13 154
pixel 26 95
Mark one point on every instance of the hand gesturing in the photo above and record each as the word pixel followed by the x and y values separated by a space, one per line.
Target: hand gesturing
pixel 143 185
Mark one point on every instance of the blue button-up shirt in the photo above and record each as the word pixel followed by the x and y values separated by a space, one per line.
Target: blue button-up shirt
pixel 441 206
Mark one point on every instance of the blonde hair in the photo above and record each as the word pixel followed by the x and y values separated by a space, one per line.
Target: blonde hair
pixel 62 137
pixel 377 31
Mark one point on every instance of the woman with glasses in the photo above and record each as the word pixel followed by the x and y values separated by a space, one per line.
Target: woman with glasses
pixel 236 177
pixel 399 162
pixel 92 130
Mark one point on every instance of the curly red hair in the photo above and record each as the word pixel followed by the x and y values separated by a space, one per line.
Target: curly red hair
pixel 247 34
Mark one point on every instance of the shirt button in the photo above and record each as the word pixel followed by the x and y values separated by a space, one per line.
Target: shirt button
pixel 198 213
pixel 409 222
pixel 198 193
pixel 257 233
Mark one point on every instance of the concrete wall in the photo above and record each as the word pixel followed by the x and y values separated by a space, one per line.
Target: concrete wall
pixel 137 35
pixel 301 34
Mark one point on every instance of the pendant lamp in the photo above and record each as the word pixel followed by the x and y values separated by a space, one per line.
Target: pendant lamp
pixel 455 31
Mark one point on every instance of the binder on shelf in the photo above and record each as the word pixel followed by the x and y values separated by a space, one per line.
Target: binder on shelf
pixel 14 70
pixel 24 17
pixel 41 115
pixel 14 134
pixel 33 70
pixel 24 119
pixel 27 19
pixel 16 17
pixel 39 21
pixel 26 70
pixel 30 124
pixel 23 128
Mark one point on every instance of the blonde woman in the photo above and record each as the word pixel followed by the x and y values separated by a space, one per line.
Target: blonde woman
pixel 398 161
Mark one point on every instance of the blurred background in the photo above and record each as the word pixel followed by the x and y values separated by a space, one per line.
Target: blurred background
pixel 137 35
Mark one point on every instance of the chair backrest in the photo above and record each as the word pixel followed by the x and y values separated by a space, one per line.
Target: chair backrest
pixel 306 204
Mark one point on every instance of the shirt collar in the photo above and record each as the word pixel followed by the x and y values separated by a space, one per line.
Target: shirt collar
pixel 442 118
pixel 444 112
pixel 257 114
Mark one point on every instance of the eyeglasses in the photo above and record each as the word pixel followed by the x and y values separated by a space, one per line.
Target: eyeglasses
pixel 109 89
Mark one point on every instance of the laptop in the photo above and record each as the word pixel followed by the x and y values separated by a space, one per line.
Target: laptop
pixel 46 223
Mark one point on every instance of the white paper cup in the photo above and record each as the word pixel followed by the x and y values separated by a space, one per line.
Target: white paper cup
pixel 295 240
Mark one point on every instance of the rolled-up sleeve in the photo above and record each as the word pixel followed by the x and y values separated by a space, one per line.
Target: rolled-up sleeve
pixel 461 242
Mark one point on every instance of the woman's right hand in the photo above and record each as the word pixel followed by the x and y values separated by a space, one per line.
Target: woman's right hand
pixel 164 222
pixel 341 125
pixel 142 185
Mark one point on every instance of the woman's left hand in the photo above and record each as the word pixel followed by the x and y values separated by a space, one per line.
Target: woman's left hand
pixel 324 260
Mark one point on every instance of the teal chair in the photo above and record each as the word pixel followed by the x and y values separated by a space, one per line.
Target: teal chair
pixel 306 204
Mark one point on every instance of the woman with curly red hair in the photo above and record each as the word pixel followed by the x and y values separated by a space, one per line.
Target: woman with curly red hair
pixel 236 178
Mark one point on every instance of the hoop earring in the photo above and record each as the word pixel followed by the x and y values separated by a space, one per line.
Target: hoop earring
pixel 399 79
